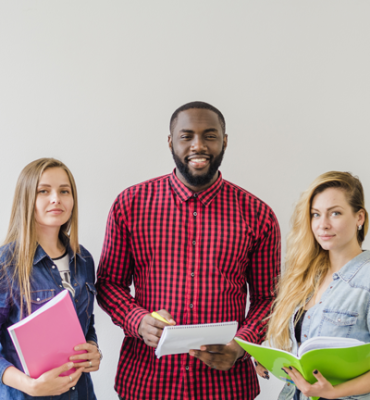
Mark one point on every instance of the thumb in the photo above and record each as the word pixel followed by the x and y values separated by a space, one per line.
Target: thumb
pixel 318 376
pixel 167 316
pixel 63 368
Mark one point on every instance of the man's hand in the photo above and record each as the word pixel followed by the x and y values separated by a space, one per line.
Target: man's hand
pixel 219 356
pixel 150 329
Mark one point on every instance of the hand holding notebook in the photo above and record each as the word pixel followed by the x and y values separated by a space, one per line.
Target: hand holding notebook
pixel 183 338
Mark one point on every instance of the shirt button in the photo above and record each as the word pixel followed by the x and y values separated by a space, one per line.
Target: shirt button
pixel 320 302
pixel 308 317
pixel 75 284
pixel 37 299
pixel 53 267
pixel 338 319
pixel 195 195
pixel 187 367
pixel 73 388
pixel 191 306
pixel 60 286
pixel 331 287
pixel 193 242
pixel 76 301
pixel 192 274
pixel 195 214
pixel 305 335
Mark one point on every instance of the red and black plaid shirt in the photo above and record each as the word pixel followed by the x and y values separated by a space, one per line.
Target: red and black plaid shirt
pixel 193 255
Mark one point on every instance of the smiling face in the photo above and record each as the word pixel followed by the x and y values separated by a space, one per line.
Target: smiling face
pixel 197 143
pixel 54 199
pixel 333 221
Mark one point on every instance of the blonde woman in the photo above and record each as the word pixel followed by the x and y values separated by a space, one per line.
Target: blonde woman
pixel 325 289
pixel 40 257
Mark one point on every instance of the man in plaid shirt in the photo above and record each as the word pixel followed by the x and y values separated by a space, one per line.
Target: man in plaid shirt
pixel 190 241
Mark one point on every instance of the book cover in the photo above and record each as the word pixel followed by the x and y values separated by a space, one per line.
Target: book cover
pixel 337 360
pixel 46 338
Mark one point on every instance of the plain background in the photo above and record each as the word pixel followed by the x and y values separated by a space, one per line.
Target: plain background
pixel 94 84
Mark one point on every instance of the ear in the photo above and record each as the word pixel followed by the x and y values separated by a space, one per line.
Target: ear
pixel 225 140
pixel 170 142
pixel 361 217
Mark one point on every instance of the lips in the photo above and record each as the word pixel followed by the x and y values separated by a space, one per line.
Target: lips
pixel 326 237
pixel 55 211
pixel 198 161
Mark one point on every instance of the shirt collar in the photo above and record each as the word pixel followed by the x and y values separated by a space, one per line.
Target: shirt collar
pixel 348 271
pixel 40 254
pixel 205 197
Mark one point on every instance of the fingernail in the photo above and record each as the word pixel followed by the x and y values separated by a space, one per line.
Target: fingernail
pixel 290 368
pixel 267 377
pixel 316 371
pixel 265 372
pixel 203 348
pixel 70 365
pixel 284 370
pixel 255 363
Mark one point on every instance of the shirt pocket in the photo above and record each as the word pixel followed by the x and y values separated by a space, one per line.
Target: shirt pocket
pixel 337 323
pixel 41 297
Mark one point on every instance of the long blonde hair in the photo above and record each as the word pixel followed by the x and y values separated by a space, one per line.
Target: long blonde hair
pixel 22 226
pixel 306 263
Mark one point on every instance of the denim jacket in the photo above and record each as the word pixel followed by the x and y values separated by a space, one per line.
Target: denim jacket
pixel 45 284
pixel 343 311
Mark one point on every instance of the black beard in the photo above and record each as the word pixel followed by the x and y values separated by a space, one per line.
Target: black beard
pixel 199 180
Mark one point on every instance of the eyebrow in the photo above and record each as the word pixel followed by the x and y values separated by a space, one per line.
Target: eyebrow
pixel 45 184
pixel 328 209
pixel 205 131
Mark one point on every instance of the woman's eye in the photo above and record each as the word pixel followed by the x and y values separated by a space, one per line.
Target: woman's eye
pixel 335 213
pixel 315 215
pixel 42 191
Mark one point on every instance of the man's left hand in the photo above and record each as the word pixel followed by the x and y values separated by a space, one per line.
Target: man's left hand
pixel 217 356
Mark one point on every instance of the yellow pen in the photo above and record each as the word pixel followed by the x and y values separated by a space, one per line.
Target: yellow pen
pixel 158 317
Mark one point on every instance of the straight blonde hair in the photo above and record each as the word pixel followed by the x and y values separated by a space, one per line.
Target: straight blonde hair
pixel 306 263
pixel 22 226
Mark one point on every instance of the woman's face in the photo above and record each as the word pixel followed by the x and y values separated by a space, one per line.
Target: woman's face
pixel 54 200
pixel 333 221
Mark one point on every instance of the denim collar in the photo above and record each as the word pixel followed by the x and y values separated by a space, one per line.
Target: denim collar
pixel 205 197
pixel 40 254
pixel 348 271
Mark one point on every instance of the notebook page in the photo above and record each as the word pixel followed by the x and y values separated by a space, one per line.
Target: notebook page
pixel 182 338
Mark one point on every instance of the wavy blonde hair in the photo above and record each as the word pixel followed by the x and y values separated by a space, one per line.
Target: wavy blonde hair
pixel 306 263
pixel 22 226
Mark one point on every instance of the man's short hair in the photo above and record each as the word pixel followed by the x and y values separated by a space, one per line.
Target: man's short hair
pixel 198 104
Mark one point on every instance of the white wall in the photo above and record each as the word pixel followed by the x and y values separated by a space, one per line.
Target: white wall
pixel 95 82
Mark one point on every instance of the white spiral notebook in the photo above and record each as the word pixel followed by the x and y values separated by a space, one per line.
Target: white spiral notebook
pixel 182 338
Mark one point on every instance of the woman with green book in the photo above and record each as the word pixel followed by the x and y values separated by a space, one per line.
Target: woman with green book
pixel 325 289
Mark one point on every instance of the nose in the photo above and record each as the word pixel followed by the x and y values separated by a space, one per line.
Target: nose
pixel 324 223
pixel 198 144
pixel 54 199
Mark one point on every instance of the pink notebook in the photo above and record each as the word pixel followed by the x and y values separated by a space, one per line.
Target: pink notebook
pixel 46 339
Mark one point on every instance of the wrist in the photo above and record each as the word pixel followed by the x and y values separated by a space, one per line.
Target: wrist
pixel 30 386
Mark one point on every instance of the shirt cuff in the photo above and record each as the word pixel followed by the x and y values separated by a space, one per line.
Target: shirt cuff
pixel 133 320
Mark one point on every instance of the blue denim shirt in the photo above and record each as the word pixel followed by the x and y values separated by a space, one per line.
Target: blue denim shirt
pixel 343 310
pixel 45 284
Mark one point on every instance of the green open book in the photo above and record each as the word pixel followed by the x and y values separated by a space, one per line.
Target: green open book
pixel 338 359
